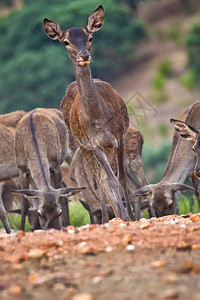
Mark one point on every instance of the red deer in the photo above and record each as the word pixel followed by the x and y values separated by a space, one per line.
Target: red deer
pixel 95 112
pixel 40 148
pixel 163 195
pixel 8 167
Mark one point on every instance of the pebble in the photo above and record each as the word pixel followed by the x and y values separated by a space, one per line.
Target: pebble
pixel 130 247
pixel 15 290
pixel 158 264
pixel 36 253
pixel 83 296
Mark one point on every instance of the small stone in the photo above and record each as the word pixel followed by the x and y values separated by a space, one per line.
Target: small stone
pixel 87 250
pixel 36 253
pixel 108 249
pixel 71 291
pixel 130 247
pixel 58 287
pixel 20 233
pixel 33 278
pixel 187 267
pixel 196 247
pixel 195 217
pixel 15 290
pixel 17 267
pixel 158 264
pixel 171 278
pixel 83 296
pixel 170 294
pixel 145 225
pixel 97 279
pixel 127 239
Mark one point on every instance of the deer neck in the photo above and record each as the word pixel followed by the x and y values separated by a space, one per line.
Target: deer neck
pixel 181 163
pixel 89 96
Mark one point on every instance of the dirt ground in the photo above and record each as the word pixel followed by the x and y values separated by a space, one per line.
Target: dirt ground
pixel 147 259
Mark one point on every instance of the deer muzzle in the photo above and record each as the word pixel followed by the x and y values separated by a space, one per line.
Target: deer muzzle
pixel 84 58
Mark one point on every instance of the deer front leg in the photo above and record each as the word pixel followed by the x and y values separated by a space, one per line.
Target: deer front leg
pixel 122 178
pixel 58 183
pixel 102 197
pixel 110 184
pixel 25 203
pixel 4 217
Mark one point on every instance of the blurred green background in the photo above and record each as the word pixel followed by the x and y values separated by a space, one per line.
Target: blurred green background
pixel 151 47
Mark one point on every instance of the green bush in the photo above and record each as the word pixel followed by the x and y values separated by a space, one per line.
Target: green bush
pixel 188 80
pixel 154 161
pixel 193 49
pixel 165 68
pixel 35 71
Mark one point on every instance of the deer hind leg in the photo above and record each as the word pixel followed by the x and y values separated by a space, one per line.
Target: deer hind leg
pixel 123 179
pixel 110 184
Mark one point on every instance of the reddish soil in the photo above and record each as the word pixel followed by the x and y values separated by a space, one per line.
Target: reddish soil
pixel 148 259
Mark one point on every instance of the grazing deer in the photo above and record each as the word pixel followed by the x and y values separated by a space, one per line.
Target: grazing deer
pixel 189 129
pixel 162 196
pixel 95 112
pixel 40 148
pixel 8 167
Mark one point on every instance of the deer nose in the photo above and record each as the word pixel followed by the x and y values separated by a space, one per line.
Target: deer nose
pixel 85 55
pixel 197 172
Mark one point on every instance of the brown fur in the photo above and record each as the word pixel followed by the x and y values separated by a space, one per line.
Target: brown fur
pixel 50 132
pixel 94 111
pixel 83 174
pixel 8 167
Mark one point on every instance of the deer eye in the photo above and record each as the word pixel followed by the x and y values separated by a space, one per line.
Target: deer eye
pixel 90 39
pixel 66 43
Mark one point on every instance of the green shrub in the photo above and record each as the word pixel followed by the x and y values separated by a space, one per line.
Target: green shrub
pixel 193 50
pixel 154 161
pixel 35 71
pixel 165 68
pixel 187 205
pixel 78 214
pixel 188 80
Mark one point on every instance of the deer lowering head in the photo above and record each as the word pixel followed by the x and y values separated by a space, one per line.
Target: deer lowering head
pixel 162 196
pixel 78 41
pixel 40 148
pixel 189 133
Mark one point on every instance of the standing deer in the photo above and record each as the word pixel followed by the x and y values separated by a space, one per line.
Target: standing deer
pixel 40 148
pixel 95 112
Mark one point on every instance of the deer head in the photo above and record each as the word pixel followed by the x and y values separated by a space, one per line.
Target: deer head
pixel 49 208
pixel 77 41
pixel 189 133
pixel 161 197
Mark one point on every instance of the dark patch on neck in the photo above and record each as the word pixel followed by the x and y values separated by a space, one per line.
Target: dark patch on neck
pixel 36 146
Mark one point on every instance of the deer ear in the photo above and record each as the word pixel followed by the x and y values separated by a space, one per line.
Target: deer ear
pixel 143 191
pixel 182 187
pixel 69 191
pixel 52 29
pixel 28 194
pixel 184 130
pixel 95 20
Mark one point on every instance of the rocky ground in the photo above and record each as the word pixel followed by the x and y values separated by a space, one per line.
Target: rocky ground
pixel 147 259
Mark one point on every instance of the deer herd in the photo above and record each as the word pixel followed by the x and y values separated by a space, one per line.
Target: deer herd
pixel 89 146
